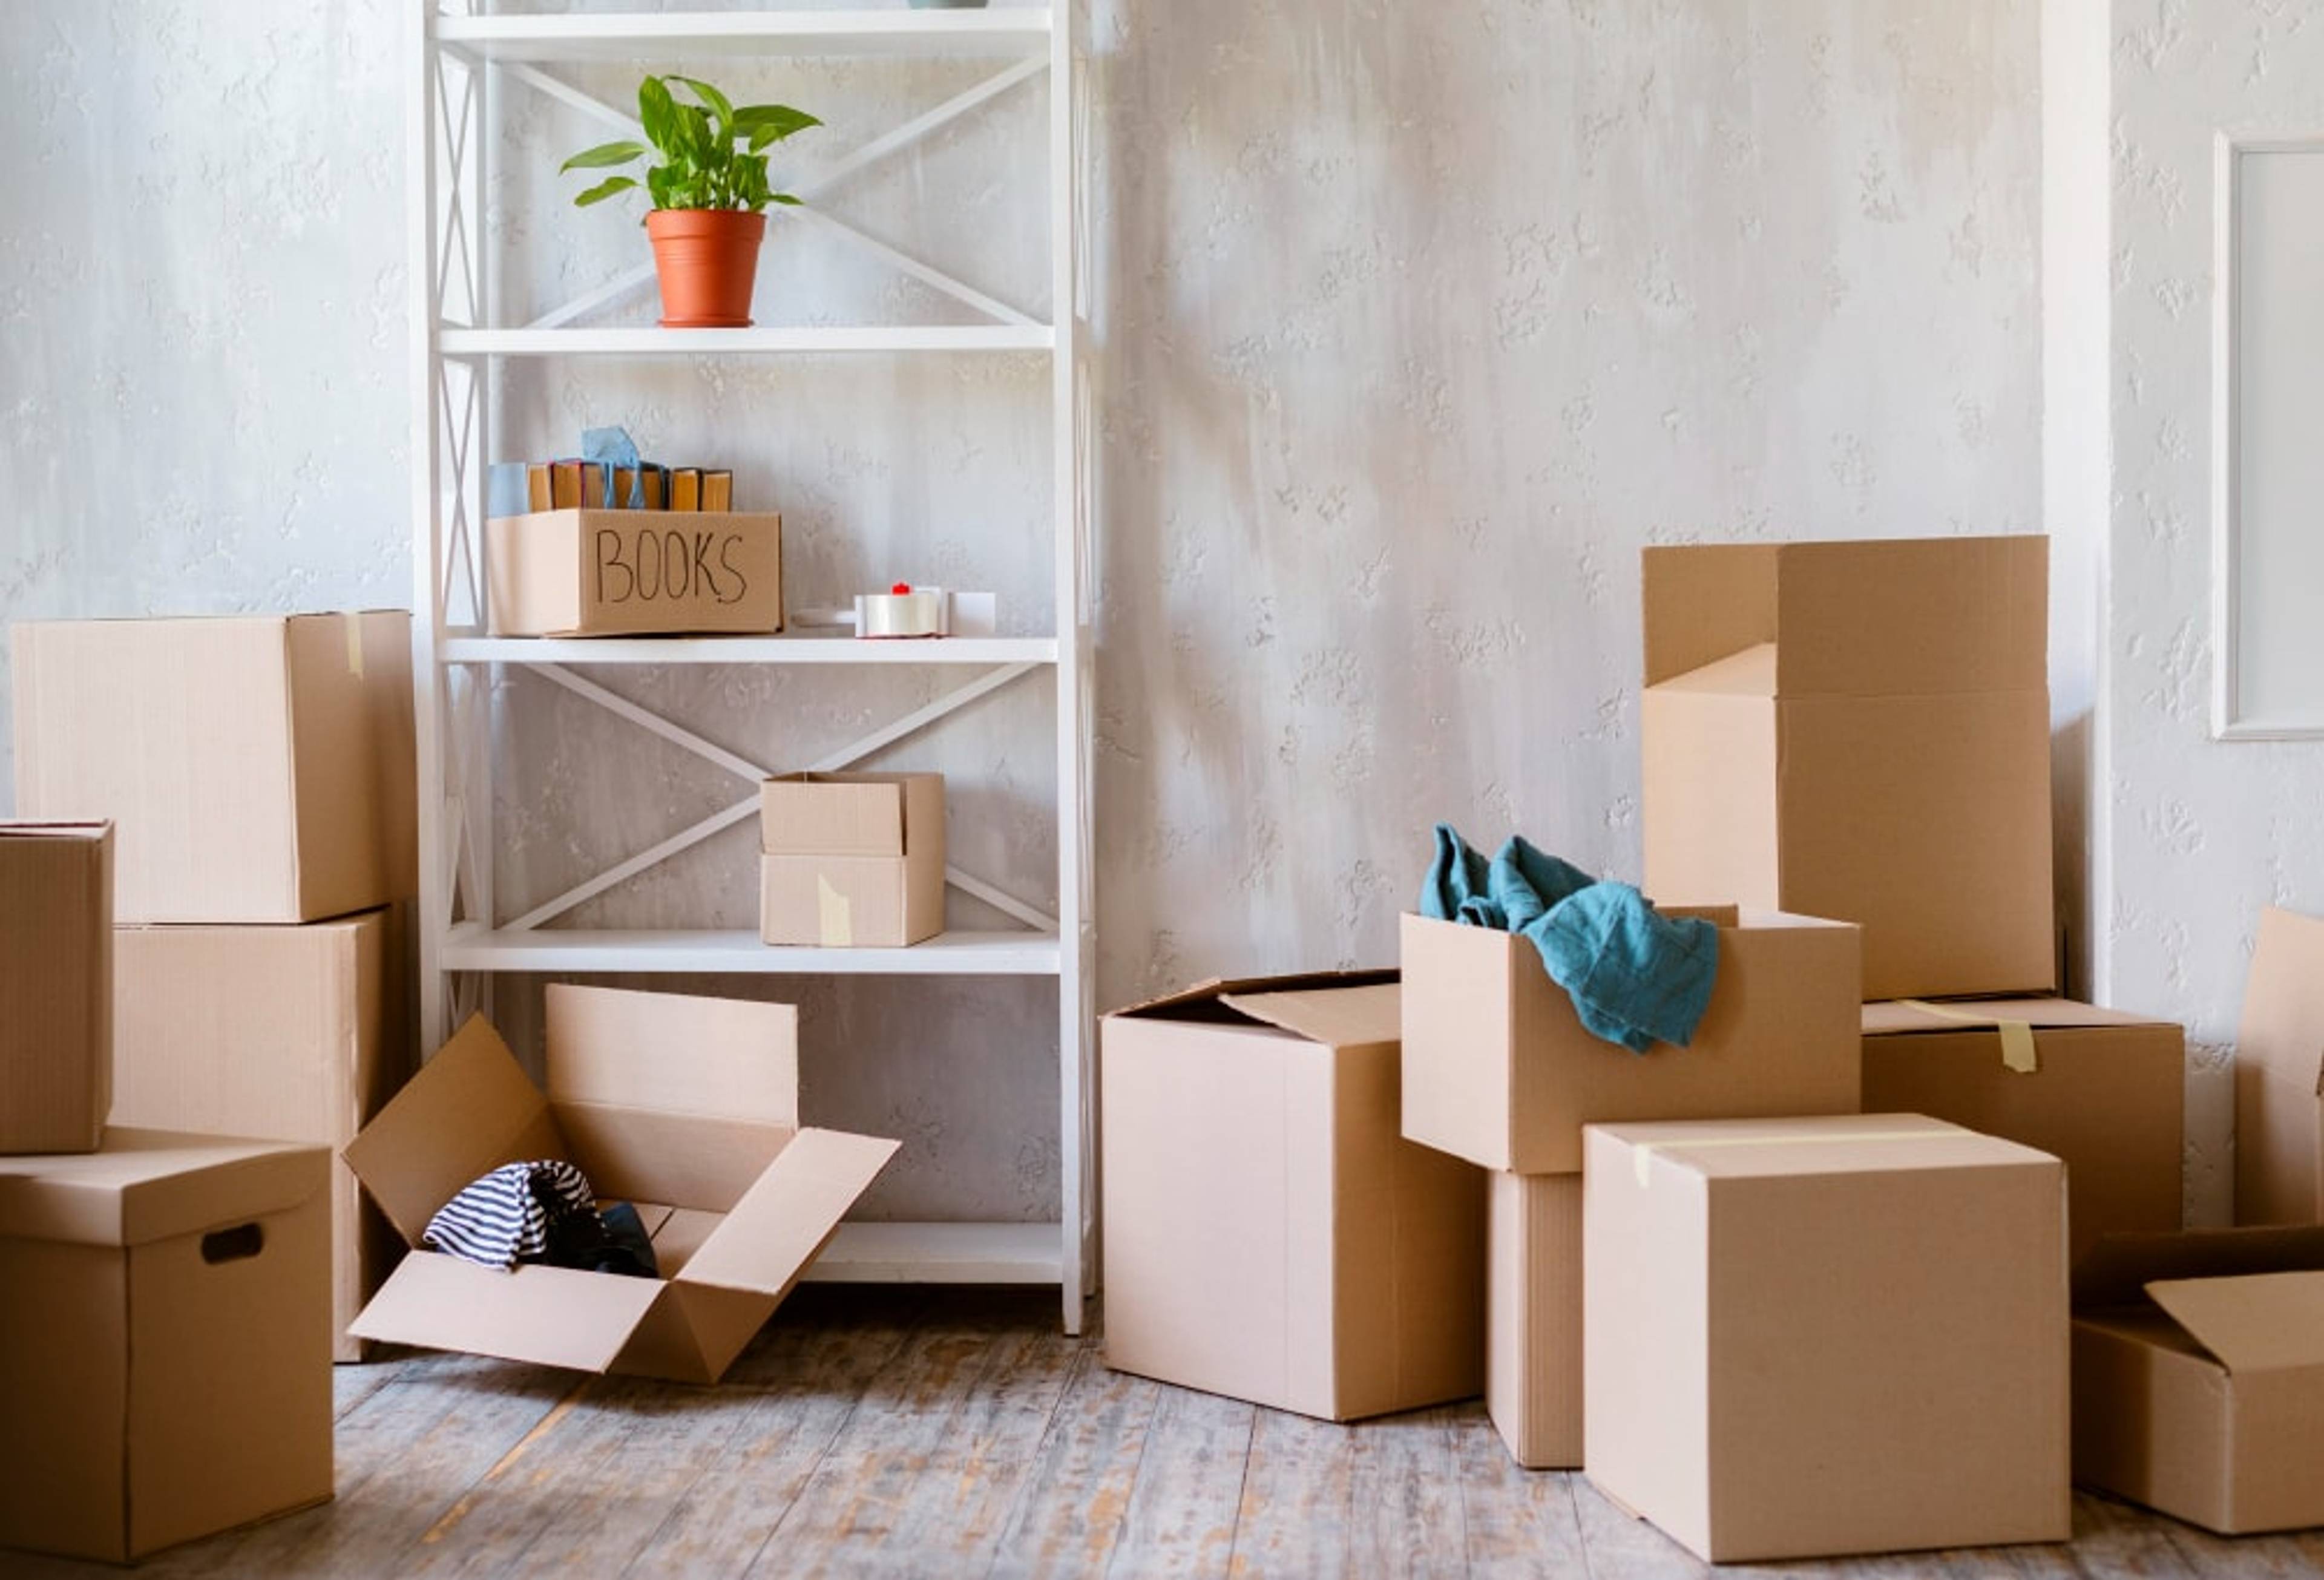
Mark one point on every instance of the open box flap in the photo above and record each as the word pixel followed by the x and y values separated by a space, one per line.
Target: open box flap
pixel 684 1160
pixel 2281 1034
pixel 1889 1016
pixel 1337 1018
pixel 1912 615
pixel 2260 1322
pixel 673 1053
pixel 1220 988
pixel 469 1110
pixel 1750 672
pixel 784 1220
pixel 1704 602
pixel 2117 1270
pixel 550 1316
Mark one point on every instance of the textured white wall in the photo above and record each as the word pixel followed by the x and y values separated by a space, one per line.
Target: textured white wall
pixel 1416 323
pixel 2194 835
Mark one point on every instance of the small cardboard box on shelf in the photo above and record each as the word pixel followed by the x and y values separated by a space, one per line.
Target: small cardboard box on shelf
pixel 295 1033
pixel 2102 1089
pixel 1498 1069
pixel 1807 1338
pixel 1532 1317
pixel 1269 1236
pixel 56 985
pixel 686 1107
pixel 851 860
pixel 165 1341
pixel 1859 730
pixel 2199 1375
pixel 590 573
pixel 256 769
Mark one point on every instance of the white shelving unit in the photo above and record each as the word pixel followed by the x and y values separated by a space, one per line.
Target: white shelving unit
pixel 461 63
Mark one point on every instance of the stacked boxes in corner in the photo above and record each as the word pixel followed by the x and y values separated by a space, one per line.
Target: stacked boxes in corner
pixel 852 860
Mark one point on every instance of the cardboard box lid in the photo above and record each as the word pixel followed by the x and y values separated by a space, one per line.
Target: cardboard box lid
pixel 470 1110
pixel 1187 1003
pixel 843 814
pixel 770 1236
pixel 1828 1144
pixel 1900 1016
pixel 2257 1322
pixel 548 1316
pixel 2282 1031
pixel 724 1059
pixel 148 1185
pixel 1359 1016
pixel 2118 1268
pixel 1893 616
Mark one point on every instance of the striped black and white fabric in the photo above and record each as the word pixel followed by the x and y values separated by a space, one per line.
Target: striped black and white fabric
pixel 502 1219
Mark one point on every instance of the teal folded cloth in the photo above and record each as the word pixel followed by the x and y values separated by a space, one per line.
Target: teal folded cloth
pixel 1635 976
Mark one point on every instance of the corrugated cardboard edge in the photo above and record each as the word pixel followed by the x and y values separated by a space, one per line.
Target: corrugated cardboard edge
pixel 2255 1322
pixel 1297 981
pixel 1358 1016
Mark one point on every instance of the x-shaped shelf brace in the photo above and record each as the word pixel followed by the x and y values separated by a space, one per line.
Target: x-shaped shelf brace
pixel 743 767
pixel 911 132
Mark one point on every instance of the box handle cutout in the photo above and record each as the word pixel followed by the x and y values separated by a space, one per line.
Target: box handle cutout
pixel 239 1244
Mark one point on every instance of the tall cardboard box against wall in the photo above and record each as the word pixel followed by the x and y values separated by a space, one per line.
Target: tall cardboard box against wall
pixel 165 1353
pixel 1859 730
pixel 257 768
pixel 1270 1235
pixel 56 985
pixel 295 1033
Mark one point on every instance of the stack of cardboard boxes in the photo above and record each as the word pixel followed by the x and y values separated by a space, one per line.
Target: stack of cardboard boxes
pixel 220 960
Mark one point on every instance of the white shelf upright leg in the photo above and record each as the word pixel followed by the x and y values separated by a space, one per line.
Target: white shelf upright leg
pixel 435 902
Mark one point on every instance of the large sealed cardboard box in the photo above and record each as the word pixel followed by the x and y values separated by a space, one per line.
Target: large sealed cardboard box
pixel 56 985
pixel 2104 1090
pixel 2279 1075
pixel 295 1034
pixel 1268 1235
pixel 2199 1375
pixel 1498 1069
pixel 165 1341
pixel 634 573
pixel 1859 730
pixel 687 1108
pixel 1804 1338
pixel 1532 1317
pixel 851 860
pixel 257 769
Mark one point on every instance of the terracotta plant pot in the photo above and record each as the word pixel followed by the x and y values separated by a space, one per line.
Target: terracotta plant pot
pixel 708 262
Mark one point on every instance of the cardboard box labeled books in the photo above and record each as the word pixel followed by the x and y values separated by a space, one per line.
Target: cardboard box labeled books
pixel 851 860
pixel 2101 1089
pixel 688 1107
pixel 2199 1375
pixel 1499 1070
pixel 1268 1235
pixel 1533 1319
pixel 165 1341
pixel 56 985
pixel 634 572
pixel 1804 1338
pixel 256 769
pixel 295 1034
pixel 2279 1075
pixel 1859 730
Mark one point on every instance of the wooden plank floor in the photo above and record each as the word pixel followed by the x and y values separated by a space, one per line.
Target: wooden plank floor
pixel 941 1433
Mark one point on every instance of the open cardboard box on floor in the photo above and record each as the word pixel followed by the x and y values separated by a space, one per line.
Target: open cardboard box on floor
pixel 688 1107
pixel 56 985
pixel 634 572
pixel 2199 1375
pixel 2102 1089
pixel 1498 1069
pixel 1859 730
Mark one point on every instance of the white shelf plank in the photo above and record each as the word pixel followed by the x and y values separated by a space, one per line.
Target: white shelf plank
pixel 471 948
pixel 984 34
pixel 836 649
pixel 761 339
pixel 942 1253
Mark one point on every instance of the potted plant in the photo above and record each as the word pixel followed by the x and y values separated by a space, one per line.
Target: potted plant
pixel 709 191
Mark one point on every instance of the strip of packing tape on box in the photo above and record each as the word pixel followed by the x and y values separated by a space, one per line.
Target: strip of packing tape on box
pixel 1642 1154
pixel 2017 1051
pixel 351 623
pixel 834 917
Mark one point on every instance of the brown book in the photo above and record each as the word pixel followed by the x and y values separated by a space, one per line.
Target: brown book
pixel 717 491
pixel 686 489
pixel 653 487
pixel 564 485
pixel 626 492
pixel 593 487
pixel 538 495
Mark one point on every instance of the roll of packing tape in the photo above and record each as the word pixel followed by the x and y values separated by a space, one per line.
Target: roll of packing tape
pixel 899 614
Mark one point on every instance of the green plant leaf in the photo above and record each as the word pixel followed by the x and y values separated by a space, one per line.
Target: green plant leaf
pixel 658 113
pixel 783 120
pixel 604 189
pixel 720 105
pixel 658 183
pixel 603 155
pixel 783 198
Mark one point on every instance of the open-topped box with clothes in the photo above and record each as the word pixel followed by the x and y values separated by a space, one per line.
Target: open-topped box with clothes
pixel 686 1109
